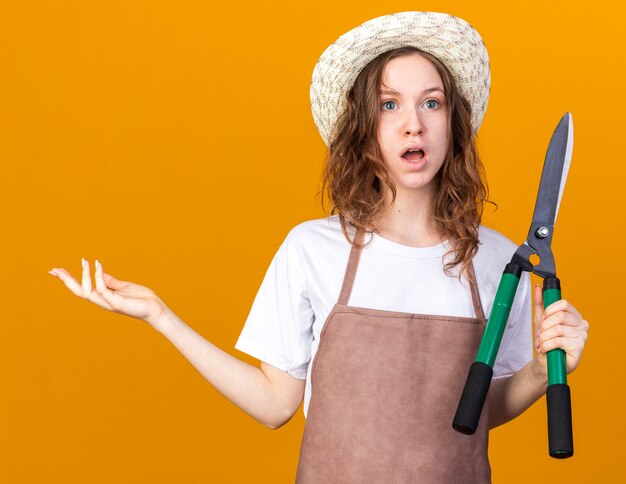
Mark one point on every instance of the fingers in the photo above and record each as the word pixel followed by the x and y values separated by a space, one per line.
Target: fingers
pixel 561 305
pixel 83 289
pixel 561 312
pixel 113 283
pixel 93 295
pixel 538 311
pixel 106 280
pixel 570 339
pixel 71 283
pixel 88 292
pixel 538 299
pixel 557 335
pixel 102 287
pixel 563 318
pixel 86 280
pixel 573 347
pixel 561 326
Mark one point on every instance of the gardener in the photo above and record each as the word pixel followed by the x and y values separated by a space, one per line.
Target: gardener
pixel 374 314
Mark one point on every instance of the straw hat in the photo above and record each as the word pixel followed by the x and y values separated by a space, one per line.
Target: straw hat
pixel 452 40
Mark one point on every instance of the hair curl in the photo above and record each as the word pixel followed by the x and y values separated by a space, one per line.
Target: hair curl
pixel 355 173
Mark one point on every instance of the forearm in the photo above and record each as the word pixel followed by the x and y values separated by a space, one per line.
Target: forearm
pixel 245 385
pixel 509 397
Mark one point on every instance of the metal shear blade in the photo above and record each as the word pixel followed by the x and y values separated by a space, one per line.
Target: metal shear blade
pixel 553 177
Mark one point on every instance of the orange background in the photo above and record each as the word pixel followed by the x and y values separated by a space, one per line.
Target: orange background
pixel 174 142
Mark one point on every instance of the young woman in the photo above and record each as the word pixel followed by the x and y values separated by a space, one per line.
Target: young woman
pixel 380 354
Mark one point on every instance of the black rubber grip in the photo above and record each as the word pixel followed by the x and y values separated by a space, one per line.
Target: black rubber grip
pixel 560 439
pixel 513 268
pixel 473 398
pixel 551 283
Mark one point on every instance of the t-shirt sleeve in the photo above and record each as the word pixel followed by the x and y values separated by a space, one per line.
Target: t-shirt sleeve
pixel 516 347
pixel 278 329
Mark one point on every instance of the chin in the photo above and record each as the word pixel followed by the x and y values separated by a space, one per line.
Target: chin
pixel 415 184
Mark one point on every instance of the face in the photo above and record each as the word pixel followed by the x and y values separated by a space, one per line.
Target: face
pixel 413 124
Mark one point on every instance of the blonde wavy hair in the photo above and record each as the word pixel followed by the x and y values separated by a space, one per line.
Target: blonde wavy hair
pixel 354 173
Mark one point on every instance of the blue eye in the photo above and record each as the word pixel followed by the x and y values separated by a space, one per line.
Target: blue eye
pixel 389 105
pixel 431 104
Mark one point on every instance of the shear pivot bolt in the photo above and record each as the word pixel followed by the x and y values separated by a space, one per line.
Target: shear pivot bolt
pixel 542 232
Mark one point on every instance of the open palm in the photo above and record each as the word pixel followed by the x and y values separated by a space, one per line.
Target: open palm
pixel 109 293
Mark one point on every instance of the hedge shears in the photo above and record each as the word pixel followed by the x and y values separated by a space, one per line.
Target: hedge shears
pixel 538 241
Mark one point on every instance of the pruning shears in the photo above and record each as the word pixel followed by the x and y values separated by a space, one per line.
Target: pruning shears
pixel 538 241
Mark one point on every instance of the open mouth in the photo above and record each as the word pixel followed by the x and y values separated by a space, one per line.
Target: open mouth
pixel 413 155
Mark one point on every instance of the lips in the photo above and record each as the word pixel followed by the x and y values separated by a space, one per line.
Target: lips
pixel 413 154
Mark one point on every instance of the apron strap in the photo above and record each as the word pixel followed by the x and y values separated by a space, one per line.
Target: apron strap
pixel 478 307
pixel 353 262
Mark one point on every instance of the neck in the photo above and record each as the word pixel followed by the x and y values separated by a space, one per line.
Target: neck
pixel 409 219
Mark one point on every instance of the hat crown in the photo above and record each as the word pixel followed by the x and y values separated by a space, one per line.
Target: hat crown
pixel 451 39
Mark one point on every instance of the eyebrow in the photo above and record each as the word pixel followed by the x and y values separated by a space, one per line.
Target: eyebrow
pixel 393 91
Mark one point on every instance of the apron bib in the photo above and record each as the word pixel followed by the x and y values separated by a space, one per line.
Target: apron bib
pixel 385 387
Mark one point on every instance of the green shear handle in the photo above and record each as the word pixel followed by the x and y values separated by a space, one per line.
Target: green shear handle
pixel 560 438
pixel 480 373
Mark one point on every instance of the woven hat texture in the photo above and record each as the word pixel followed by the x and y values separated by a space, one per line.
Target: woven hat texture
pixel 452 40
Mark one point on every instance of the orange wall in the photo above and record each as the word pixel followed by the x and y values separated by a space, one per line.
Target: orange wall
pixel 174 142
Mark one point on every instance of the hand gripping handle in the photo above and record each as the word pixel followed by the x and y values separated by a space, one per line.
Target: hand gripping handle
pixel 560 438
pixel 480 373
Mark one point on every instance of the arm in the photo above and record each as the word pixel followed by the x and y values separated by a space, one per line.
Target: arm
pixel 267 394
pixel 559 326
pixel 508 397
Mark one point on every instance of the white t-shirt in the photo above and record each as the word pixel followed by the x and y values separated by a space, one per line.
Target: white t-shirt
pixel 303 282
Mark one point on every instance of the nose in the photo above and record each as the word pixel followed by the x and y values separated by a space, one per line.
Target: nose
pixel 413 123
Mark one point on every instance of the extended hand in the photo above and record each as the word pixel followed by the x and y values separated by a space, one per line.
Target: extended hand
pixel 119 296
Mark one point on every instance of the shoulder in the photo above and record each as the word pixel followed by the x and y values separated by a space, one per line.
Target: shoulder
pixel 319 246
pixel 494 253
pixel 317 234
pixel 316 226
pixel 493 244
pixel 313 241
